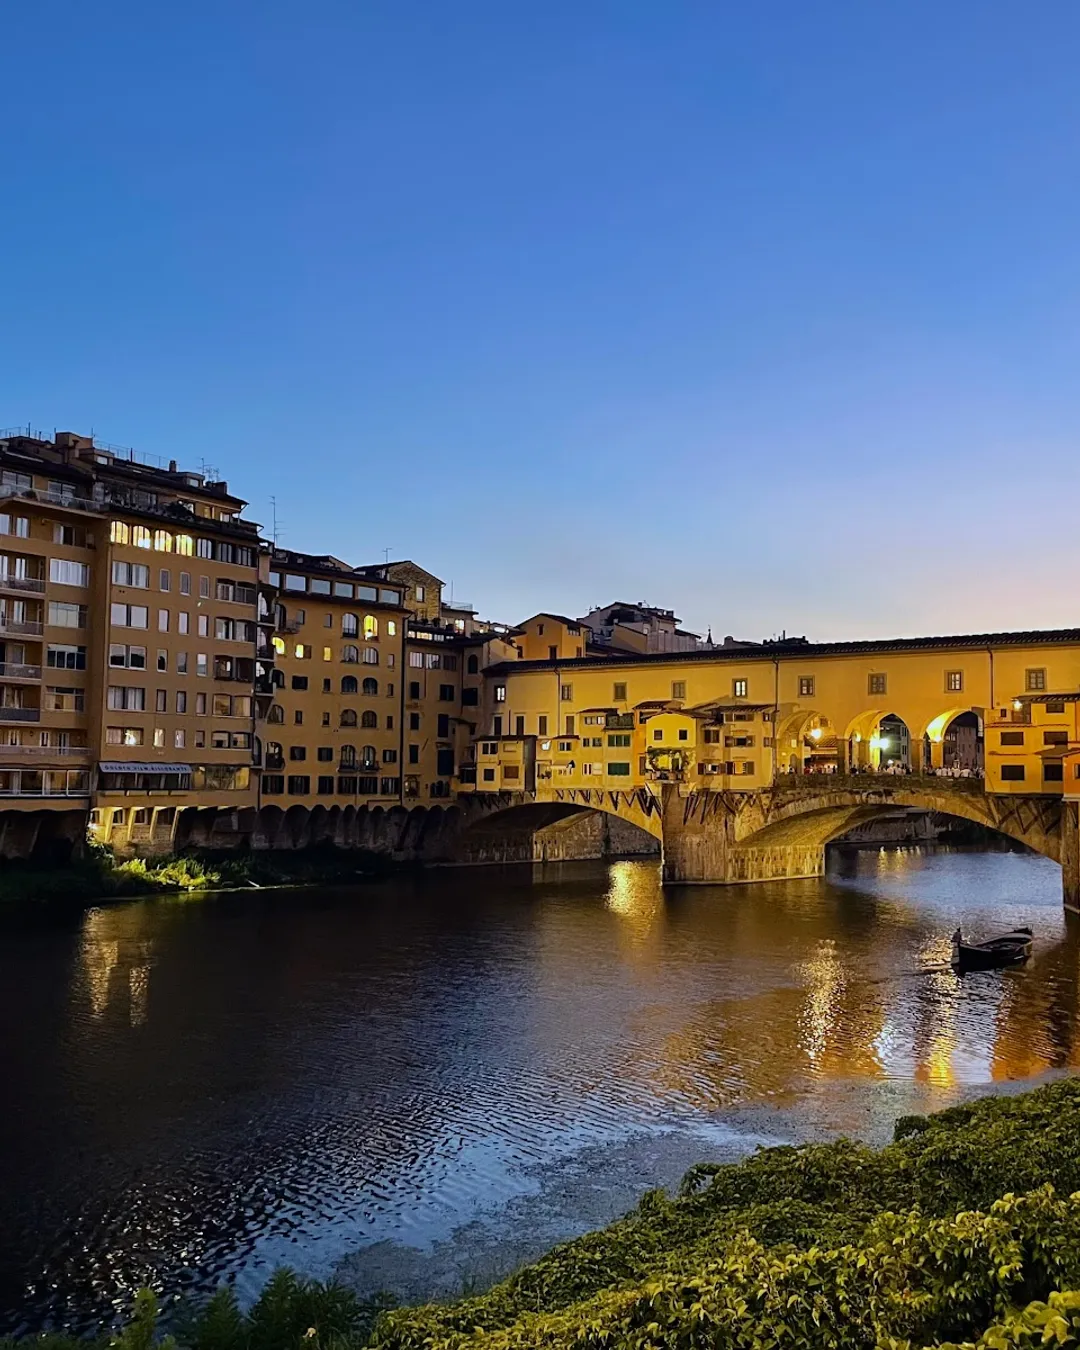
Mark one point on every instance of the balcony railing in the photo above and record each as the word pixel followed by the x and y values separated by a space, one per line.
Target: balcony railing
pixel 27 627
pixel 44 751
pixel 15 670
pixel 619 722
pixel 10 583
pixel 20 714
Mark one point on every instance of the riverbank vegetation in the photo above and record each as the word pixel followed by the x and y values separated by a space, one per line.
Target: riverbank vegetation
pixel 99 876
pixel 964 1231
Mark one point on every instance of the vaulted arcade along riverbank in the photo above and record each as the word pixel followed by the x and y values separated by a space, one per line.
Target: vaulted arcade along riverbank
pixel 404 1076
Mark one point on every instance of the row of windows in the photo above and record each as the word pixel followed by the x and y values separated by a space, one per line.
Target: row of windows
pixel 440 661
pixel 219 739
pixel 137 575
pixel 345 590
pixel 367 757
pixel 225 629
pixel 1052 772
pixel 351 624
pixel 1053 736
pixel 299 785
pixel 164 541
pixel 350 654
pixel 878 683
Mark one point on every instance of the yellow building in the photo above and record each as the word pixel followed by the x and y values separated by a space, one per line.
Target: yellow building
pixel 739 718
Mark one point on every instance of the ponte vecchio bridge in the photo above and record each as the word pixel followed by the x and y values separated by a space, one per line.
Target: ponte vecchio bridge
pixel 746 762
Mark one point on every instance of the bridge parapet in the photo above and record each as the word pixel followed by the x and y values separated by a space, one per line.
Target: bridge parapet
pixel 814 784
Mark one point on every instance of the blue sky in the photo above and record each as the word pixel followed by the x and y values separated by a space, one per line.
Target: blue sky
pixel 765 313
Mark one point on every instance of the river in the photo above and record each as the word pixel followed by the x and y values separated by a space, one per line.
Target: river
pixel 420 1081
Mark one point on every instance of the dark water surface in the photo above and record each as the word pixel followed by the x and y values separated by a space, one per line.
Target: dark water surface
pixel 198 1090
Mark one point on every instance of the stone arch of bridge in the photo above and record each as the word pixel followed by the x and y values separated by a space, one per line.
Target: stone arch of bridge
pixel 820 817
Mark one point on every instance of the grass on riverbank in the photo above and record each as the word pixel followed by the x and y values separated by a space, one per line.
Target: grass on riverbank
pixel 98 876
pixel 965 1230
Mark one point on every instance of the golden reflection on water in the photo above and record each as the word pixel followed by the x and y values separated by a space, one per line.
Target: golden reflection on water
pixel 635 897
pixel 115 961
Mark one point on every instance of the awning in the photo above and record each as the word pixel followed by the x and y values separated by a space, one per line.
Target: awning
pixel 135 766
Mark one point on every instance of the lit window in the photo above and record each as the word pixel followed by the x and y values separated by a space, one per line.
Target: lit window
pixel 299 651
pixel 371 626
pixel 328 653
pixel 279 646
pixel 141 537
pixel 119 533
pixel 185 544
pixel 391 628
pixel 163 541
pixel 739 688
pixel 954 681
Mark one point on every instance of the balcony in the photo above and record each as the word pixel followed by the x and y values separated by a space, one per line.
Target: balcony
pixel 15 670
pixel 34 585
pixel 24 752
pixel 619 722
pixel 274 763
pixel 24 627
pixel 20 714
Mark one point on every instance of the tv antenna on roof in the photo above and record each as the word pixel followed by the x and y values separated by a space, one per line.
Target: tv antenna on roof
pixel 274 528
pixel 386 554
pixel 209 473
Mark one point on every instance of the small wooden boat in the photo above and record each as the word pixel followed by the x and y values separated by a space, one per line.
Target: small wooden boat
pixel 1010 949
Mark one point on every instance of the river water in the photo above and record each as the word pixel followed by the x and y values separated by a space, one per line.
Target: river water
pixel 420 1081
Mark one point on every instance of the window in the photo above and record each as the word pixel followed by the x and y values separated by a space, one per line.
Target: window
pixel 371 656
pixel 954 681
pixel 140 536
pixel 569 728
pixel 200 705
pixel 65 658
pixel 416 659
pixel 391 628
pixel 712 736
pixel 273 784
pixel 328 653
pixel 126 698
pixel 1012 738
pixel 1053 771
pixel 129 616
pixel 130 574
pixel 620 741
pixel 350 625
pixel 350 654
pixel 488 775
pixel 164 579
pixel 684 735
pixel 65 615
pixel 876 684
pixel 298 718
pixel 367 719
pixel 134 658
pixel 496 726
pixel 678 688
pixel 806 686
pixel 163 621
pixel 204 588
pixel 299 785
pixel 163 541
pixel 64 698
pixel 446 693
pixel 619 769
pixel 66 573
pixel 70 535
pixel 371 686
pixel 388 786
pixel 541 725
pixel 500 693
pixel 1035 680
pixel 299 681
pixel 123 735
pixel 297 752
pixel 16 525
pixel 185 583
pixel 326 784
pixel 202 664
pixel 371 627
pixel 181 663
pixel 1056 737
pixel 184 544
pixel 618 691
pixel 204 625
pixel 414 688
pixel 1012 773
pixel 204 548
pixel 566 693
pixel 389 756
pixel 181 701
pixel 1055 706
pixel 739 688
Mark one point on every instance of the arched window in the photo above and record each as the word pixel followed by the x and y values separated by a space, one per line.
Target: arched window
pixel 371 626
pixel 350 654
pixel 185 545
pixel 473 666
pixel 371 656
pixel 348 718
pixel 277 679
pixel 120 533
pixel 279 645
pixel 368 719
pixel 348 684
pixel 371 686
pixel 163 541
pixel 274 754
pixel 276 713
pixel 350 625
pixel 348 756
pixel 369 756
pixel 140 536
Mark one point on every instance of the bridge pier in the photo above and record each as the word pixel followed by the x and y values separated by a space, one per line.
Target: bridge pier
pixel 700 845
pixel 1070 854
